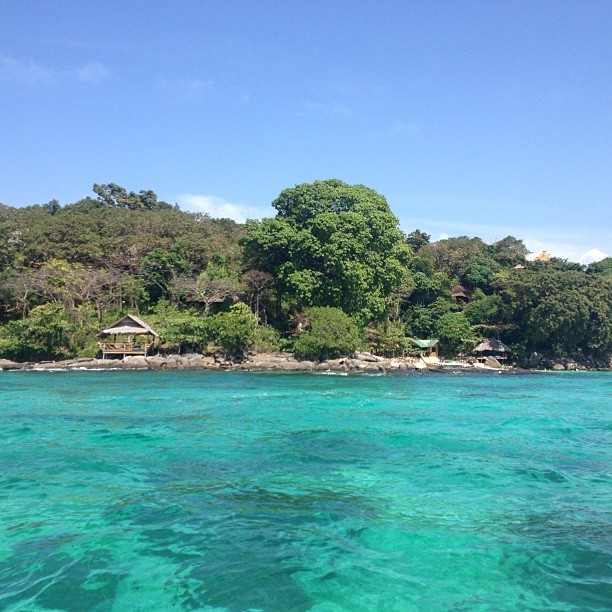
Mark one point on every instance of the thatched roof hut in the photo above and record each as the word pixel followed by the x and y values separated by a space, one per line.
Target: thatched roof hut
pixel 492 348
pixel 129 325
pixel 459 292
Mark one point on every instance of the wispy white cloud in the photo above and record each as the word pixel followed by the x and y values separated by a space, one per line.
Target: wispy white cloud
pixel 33 74
pixel 398 128
pixel 183 89
pixel 323 109
pixel 345 98
pixel 592 255
pixel 27 73
pixel 94 73
pixel 220 208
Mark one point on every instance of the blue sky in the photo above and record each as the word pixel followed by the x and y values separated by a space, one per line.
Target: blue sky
pixel 479 118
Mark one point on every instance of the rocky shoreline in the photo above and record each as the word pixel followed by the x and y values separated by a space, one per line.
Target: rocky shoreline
pixel 361 362
pixel 284 362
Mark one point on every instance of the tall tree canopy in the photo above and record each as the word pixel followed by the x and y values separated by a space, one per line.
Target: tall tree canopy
pixel 115 195
pixel 331 244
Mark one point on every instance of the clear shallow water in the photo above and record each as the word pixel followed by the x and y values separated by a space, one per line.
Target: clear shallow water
pixel 244 491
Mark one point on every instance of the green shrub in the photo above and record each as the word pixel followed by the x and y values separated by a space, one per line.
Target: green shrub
pixel 188 330
pixel 234 331
pixel 267 339
pixel 330 333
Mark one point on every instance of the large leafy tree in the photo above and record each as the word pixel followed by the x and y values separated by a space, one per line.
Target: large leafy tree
pixel 555 308
pixel 160 269
pixel 418 239
pixel 206 289
pixel 452 254
pixel 509 251
pixel 331 244
pixel 45 334
pixel 455 334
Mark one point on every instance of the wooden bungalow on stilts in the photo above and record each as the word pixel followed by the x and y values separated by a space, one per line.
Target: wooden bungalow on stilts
pixel 139 337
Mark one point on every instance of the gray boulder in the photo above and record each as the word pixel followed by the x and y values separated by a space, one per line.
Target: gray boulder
pixel 368 357
pixel 157 362
pixel 135 362
pixel 491 362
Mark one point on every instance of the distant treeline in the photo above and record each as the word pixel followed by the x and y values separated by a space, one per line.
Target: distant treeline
pixel 331 272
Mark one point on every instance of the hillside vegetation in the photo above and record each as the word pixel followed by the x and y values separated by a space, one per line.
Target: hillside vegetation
pixel 329 273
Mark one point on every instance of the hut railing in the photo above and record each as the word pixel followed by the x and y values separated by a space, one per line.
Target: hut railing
pixel 124 348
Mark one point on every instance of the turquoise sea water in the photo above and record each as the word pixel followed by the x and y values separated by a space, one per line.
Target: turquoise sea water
pixel 245 491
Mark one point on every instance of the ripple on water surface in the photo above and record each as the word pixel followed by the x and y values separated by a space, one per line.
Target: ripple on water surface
pixel 245 491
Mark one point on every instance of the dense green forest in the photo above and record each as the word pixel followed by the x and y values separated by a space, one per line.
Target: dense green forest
pixel 331 272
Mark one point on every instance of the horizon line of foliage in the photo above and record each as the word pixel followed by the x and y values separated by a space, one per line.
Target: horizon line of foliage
pixel 330 273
